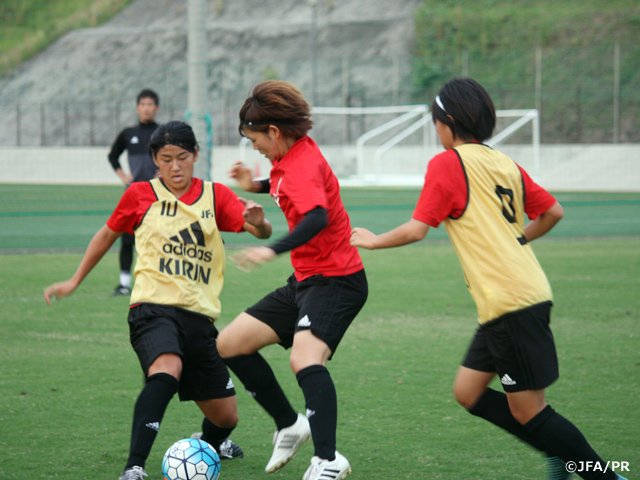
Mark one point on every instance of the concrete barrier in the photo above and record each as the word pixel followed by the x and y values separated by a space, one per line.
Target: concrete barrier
pixel 579 167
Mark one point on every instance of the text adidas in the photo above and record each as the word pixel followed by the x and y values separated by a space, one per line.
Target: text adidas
pixel 190 251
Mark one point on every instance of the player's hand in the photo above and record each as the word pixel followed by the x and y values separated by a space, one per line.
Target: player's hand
pixel 361 237
pixel 59 290
pixel 253 212
pixel 242 175
pixel 250 258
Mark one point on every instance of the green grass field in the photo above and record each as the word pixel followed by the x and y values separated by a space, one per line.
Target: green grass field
pixel 70 377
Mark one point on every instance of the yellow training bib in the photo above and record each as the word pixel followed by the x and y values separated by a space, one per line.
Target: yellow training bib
pixel 180 253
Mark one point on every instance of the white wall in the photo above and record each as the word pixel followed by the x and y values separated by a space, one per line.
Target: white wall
pixel 562 167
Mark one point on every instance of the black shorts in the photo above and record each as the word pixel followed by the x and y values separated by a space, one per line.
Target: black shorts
pixel 519 347
pixel 324 305
pixel 157 329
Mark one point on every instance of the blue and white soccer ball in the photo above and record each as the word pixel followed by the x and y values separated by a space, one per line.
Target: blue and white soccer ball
pixel 191 459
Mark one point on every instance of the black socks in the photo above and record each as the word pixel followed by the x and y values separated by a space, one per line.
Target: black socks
pixel 258 379
pixel 213 434
pixel 562 438
pixel 494 407
pixel 548 432
pixel 147 415
pixel 322 408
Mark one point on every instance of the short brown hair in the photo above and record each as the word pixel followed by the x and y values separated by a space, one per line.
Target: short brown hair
pixel 279 103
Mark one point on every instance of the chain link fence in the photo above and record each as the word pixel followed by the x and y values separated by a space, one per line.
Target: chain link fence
pixel 584 95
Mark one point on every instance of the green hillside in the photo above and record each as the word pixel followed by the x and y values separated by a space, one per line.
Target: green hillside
pixel 585 52
pixel 27 26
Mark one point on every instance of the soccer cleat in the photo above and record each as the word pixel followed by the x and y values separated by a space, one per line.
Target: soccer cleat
pixel 320 469
pixel 133 473
pixel 286 443
pixel 121 291
pixel 228 450
pixel 556 469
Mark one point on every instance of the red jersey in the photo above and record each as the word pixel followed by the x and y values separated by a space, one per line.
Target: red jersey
pixel 140 195
pixel 301 181
pixel 445 192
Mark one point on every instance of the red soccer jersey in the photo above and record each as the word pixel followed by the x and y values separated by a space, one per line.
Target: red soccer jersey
pixel 445 192
pixel 301 181
pixel 140 195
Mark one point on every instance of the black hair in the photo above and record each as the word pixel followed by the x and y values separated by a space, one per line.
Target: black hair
pixel 148 93
pixel 175 133
pixel 465 107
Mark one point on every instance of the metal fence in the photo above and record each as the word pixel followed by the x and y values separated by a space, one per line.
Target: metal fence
pixel 584 95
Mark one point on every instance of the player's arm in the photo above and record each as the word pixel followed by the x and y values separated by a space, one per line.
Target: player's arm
pixel 409 232
pixel 98 246
pixel 255 221
pixel 119 146
pixel 243 176
pixel 311 224
pixel 544 222
pixel 541 207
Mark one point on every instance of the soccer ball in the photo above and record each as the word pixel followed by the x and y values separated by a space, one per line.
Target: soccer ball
pixel 191 459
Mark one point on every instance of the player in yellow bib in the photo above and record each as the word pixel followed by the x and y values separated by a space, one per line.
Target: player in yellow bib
pixel 177 220
pixel 482 197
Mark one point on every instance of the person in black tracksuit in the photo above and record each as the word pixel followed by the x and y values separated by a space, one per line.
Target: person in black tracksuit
pixel 135 140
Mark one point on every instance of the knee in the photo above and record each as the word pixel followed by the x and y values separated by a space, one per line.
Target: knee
pixel 229 420
pixel 223 345
pixel 295 363
pixel 228 346
pixel 465 397
pixel 522 415
pixel 225 419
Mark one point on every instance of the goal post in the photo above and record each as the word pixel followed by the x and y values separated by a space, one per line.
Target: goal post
pixel 399 141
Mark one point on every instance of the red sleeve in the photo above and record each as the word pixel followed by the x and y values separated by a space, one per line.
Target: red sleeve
pixel 229 209
pixel 131 208
pixel 444 193
pixel 536 199
pixel 305 188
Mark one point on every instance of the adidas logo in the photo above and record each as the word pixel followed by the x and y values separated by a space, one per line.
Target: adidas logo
pixel 310 413
pixel 229 384
pixel 153 426
pixel 184 235
pixel 304 321
pixel 507 380
pixel 186 244
pixel 135 140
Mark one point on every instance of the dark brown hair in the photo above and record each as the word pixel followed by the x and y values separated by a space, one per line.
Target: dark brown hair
pixel 279 103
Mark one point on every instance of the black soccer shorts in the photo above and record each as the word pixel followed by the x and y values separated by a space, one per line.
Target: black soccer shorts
pixel 157 329
pixel 519 347
pixel 324 305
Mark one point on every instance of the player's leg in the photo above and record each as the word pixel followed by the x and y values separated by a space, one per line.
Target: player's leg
pixel 238 345
pixel 327 307
pixel 470 389
pixel 206 381
pixel 127 243
pixel 155 340
pixel 160 386
pixel 221 418
pixel 527 363
pixel 558 436
pixel 269 321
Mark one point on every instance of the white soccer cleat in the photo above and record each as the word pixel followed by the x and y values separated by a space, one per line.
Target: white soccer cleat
pixel 328 469
pixel 286 443
pixel 133 473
